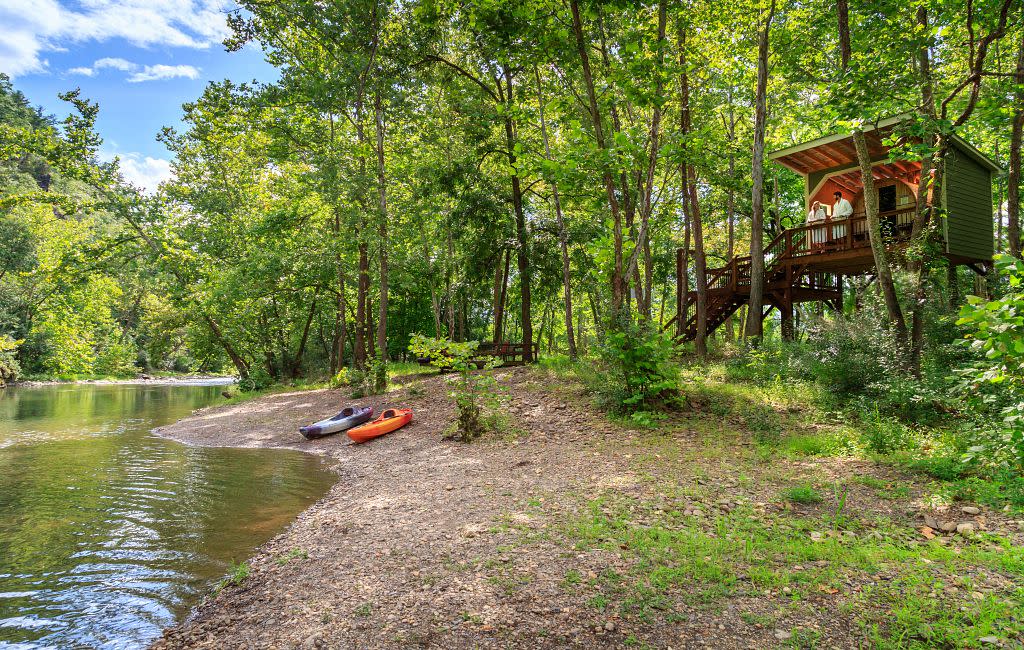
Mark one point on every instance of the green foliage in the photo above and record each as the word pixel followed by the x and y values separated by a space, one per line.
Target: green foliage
pixel 885 435
pixel 762 420
pixel 804 493
pixel 849 355
pixel 474 389
pixel 239 572
pixel 997 332
pixel 636 371
pixel 10 370
pixel 373 380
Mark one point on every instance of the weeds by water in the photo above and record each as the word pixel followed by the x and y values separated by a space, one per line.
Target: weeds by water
pixel 239 572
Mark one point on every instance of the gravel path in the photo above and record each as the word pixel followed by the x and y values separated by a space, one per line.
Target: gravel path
pixel 408 546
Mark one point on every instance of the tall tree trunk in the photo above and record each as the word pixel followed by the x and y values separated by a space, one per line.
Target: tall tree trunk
pixel 301 352
pixel 953 285
pixel 343 326
pixel 1014 166
pixel 754 327
pixel 730 203
pixel 362 294
pixel 688 180
pixel 522 238
pixel 618 284
pixel 338 347
pixel 878 249
pixel 560 220
pixel 382 230
pixel 449 292
pixel 652 156
pixel 496 298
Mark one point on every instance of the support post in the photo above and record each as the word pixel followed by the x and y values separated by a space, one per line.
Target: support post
pixel 680 294
pixel 787 318
pixel 787 306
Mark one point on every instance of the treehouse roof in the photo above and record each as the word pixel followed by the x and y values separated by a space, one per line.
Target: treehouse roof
pixel 835 152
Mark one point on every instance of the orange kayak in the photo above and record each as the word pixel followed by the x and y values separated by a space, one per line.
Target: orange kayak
pixel 388 421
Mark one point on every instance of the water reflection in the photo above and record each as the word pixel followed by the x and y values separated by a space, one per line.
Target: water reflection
pixel 107 533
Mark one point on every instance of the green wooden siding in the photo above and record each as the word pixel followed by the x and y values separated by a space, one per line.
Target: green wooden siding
pixel 968 198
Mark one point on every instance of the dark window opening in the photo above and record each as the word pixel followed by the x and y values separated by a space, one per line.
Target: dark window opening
pixel 887 198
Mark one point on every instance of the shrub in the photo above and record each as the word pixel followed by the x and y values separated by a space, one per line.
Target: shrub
pixel 996 330
pixel 885 435
pixel 258 379
pixel 762 421
pixel 636 371
pixel 371 380
pixel 474 392
pixel 341 378
pixel 944 468
pixel 770 361
pixel 9 368
pixel 116 358
pixel 849 355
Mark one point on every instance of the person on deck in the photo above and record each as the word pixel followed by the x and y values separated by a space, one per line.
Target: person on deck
pixel 815 216
pixel 842 209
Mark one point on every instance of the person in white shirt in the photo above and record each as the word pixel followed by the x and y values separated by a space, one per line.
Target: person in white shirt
pixel 815 216
pixel 841 209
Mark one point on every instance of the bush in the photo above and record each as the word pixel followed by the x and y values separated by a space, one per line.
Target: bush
pixel 885 435
pixel 475 393
pixel 996 331
pixel 9 368
pixel 636 371
pixel 258 379
pixel 116 358
pixel 944 468
pixel 770 361
pixel 372 380
pixel 849 355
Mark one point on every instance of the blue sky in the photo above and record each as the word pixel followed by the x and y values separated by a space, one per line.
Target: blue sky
pixel 140 59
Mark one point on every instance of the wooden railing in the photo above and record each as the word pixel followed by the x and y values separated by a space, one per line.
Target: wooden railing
pixel 800 242
pixel 812 239
pixel 511 354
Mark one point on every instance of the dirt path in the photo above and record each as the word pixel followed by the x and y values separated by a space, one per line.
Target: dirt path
pixel 402 549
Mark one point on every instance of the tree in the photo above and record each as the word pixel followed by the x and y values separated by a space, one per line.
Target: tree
pixel 754 325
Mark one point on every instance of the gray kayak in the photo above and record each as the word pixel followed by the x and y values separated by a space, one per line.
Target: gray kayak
pixel 349 417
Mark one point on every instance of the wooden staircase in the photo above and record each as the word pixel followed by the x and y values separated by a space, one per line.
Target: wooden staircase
pixel 803 264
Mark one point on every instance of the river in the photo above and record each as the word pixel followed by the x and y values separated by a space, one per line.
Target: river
pixel 109 533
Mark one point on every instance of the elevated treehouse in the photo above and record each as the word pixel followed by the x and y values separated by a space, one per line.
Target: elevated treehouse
pixel 808 263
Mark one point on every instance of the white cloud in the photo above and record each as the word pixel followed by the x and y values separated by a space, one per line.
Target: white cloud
pixel 144 172
pixel 32 27
pixel 160 71
pixel 141 73
pixel 115 63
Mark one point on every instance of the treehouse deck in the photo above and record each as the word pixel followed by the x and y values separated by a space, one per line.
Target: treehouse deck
pixel 807 263
pixel 803 264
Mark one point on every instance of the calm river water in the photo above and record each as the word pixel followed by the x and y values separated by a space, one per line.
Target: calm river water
pixel 108 533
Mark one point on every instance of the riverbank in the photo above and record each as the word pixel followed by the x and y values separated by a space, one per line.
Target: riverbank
pixel 573 531
pixel 141 380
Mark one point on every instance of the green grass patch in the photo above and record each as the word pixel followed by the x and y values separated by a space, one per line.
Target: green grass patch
pixel 673 559
pixel 802 494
